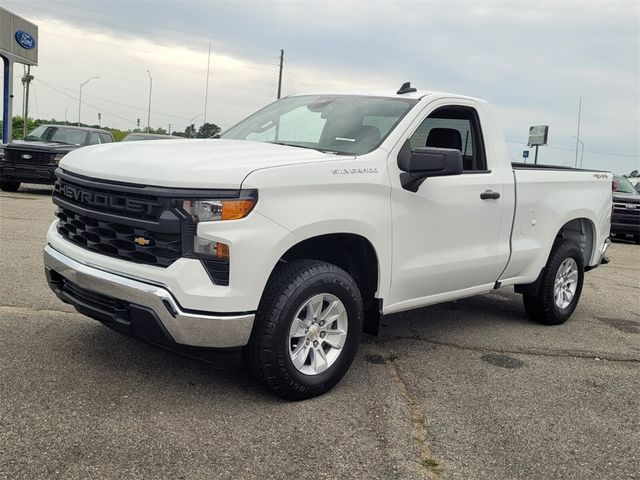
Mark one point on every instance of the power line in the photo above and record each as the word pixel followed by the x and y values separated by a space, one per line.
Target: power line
pixel 137 31
pixel 49 84
pixel 166 27
pixel 88 104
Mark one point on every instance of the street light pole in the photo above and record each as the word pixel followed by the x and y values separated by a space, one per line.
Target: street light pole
pixel 581 150
pixel 80 97
pixel 149 110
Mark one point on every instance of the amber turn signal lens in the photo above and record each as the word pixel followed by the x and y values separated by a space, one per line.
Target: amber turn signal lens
pixel 222 250
pixel 235 209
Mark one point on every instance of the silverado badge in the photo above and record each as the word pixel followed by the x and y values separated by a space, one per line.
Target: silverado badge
pixel 141 241
pixel 26 156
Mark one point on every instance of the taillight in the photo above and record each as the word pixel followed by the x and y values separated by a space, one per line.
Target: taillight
pixel 614 186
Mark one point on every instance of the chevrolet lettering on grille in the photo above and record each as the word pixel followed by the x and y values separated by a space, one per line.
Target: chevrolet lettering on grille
pixel 105 201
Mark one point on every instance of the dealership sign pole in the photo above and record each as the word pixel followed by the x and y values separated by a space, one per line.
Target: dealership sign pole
pixel 18 44
pixel 538 135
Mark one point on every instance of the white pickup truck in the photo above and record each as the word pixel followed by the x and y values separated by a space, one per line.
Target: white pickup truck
pixel 309 220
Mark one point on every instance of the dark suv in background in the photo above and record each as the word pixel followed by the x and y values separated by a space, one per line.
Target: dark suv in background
pixel 35 159
pixel 626 209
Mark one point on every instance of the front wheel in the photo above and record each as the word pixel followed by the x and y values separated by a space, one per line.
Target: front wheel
pixel 9 185
pixel 307 329
pixel 561 286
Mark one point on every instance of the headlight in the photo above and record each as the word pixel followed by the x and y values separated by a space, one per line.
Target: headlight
pixel 58 157
pixel 1 154
pixel 214 210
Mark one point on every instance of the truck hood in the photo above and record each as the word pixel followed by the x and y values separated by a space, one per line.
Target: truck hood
pixel 208 163
pixel 620 197
pixel 51 147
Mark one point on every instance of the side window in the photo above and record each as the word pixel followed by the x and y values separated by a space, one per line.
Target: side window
pixel 453 127
pixel 94 139
pixel 105 138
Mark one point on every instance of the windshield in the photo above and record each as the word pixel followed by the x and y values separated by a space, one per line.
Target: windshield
pixel 343 124
pixel 57 134
pixel 622 185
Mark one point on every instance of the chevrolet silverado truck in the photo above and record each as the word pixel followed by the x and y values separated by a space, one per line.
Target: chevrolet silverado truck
pixel 308 221
pixel 35 159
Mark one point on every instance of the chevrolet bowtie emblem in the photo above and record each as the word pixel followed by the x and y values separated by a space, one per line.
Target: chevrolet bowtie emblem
pixel 141 241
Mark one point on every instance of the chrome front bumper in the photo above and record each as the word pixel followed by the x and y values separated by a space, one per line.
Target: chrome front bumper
pixel 196 329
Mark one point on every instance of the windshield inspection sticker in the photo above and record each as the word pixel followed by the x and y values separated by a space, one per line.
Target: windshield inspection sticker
pixel 353 171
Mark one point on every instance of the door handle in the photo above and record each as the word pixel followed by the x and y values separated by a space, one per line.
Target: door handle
pixel 489 194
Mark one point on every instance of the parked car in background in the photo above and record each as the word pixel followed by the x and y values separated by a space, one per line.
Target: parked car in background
pixel 34 159
pixel 626 209
pixel 134 137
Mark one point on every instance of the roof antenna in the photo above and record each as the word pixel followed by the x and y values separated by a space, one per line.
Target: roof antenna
pixel 406 88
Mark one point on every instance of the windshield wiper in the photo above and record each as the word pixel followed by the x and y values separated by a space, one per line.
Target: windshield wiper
pixel 33 138
pixel 305 146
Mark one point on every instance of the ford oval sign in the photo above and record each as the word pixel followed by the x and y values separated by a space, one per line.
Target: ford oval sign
pixel 25 40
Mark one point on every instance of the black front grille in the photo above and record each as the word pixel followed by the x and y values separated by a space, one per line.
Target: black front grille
pixel 132 222
pixel 27 156
pixel 119 240
pixel 129 225
pixel 131 205
pixel 621 209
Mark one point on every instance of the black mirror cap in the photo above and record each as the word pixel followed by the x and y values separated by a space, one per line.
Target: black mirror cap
pixel 422 163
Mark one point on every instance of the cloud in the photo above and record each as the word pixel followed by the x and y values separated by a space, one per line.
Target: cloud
pixel 533 60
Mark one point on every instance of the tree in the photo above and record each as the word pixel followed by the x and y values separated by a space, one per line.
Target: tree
pixel 208 130
pixel 190 131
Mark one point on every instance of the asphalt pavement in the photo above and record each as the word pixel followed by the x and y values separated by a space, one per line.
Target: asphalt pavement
pixel 468 389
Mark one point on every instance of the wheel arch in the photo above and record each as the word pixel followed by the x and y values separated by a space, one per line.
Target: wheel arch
pixel 580 230
pixel 355 254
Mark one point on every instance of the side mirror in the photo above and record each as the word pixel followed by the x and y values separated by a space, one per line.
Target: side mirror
pixel 422 163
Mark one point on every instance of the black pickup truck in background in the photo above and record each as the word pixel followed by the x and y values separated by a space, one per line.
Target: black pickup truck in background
pixel 626 209
pixel 34 159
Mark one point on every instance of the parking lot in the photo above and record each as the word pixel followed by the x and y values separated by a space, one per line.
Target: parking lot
pixel 468 389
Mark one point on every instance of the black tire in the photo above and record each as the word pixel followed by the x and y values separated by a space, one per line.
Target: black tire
pixel 636 239
pixel 542 307
pixel 9 185
pixel 267 354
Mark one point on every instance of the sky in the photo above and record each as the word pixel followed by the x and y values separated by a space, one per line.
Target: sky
pixel 532 59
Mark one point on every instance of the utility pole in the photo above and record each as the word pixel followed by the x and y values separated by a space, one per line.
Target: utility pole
pixel 99 119
pixel 206 90
pixel 280 75
pixel 65 115
pixel 26 80
pixel 578 133
pixel 149 110
pixel 169 129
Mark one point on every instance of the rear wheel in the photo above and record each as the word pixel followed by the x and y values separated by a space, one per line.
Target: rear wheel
pixel 307 329
pixel 561 286
pixel 9 185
